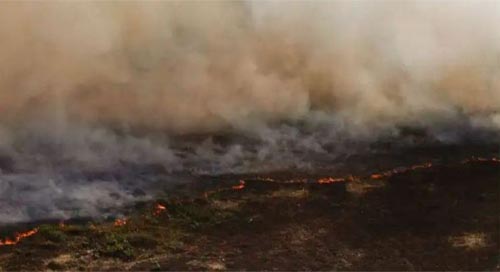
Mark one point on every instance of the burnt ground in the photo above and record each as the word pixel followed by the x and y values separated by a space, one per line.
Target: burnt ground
pixel 438 218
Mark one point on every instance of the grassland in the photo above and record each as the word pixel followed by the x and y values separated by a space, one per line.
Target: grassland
pixel 439 218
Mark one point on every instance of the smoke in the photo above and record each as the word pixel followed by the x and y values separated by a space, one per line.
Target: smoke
pixel 191 67
pixel 214 87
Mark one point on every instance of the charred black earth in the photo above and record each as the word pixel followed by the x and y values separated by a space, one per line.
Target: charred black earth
pixel 443 217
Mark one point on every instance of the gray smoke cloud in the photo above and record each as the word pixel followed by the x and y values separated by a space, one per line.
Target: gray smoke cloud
pixel 94 94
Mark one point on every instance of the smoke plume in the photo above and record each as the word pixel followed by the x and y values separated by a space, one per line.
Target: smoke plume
pixel 215 87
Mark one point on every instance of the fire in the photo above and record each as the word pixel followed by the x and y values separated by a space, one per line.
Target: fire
pixel 239 186
pixel 159 209
pixel 400 170
pixel 18 237
pixel 120 222
pixel 377 176
pixel 329 180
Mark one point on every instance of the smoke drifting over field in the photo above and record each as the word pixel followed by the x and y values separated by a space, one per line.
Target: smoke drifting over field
pixel 102 87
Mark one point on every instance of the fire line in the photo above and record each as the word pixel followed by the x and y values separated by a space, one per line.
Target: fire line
pixel 159 208
pixel 18 237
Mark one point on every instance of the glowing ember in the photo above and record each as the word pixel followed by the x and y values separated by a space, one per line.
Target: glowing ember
pixel 400 170
pixel 239 186
pixel 120 222
pixel 380 175
pixel 159 209
pixel 329 180
pixel 377 176
pixel 18 237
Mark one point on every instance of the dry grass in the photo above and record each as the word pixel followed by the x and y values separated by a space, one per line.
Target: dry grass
pixel 469 241
pixel 405 223
pixel 359 188
pixel 290 193
pixel 226 205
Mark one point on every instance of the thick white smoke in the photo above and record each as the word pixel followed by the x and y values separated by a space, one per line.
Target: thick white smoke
pixel 198 66
pixel 99 86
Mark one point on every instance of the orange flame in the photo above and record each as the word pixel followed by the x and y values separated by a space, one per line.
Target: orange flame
pixel 159 209
pixel 329 180
pixel 18 237
pixel 377 176
pixel 239 186
pixel 380 175
pixel 120 222
pixel 400 170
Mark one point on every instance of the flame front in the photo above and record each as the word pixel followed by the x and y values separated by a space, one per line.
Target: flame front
pixel 239 186
pixel 329 180
pixel 159 209
pixel 18 237
pixel 400 170
pixel 120 222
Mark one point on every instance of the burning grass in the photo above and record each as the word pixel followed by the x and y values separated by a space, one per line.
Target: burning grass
pixel 358 224
pixel 18 237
